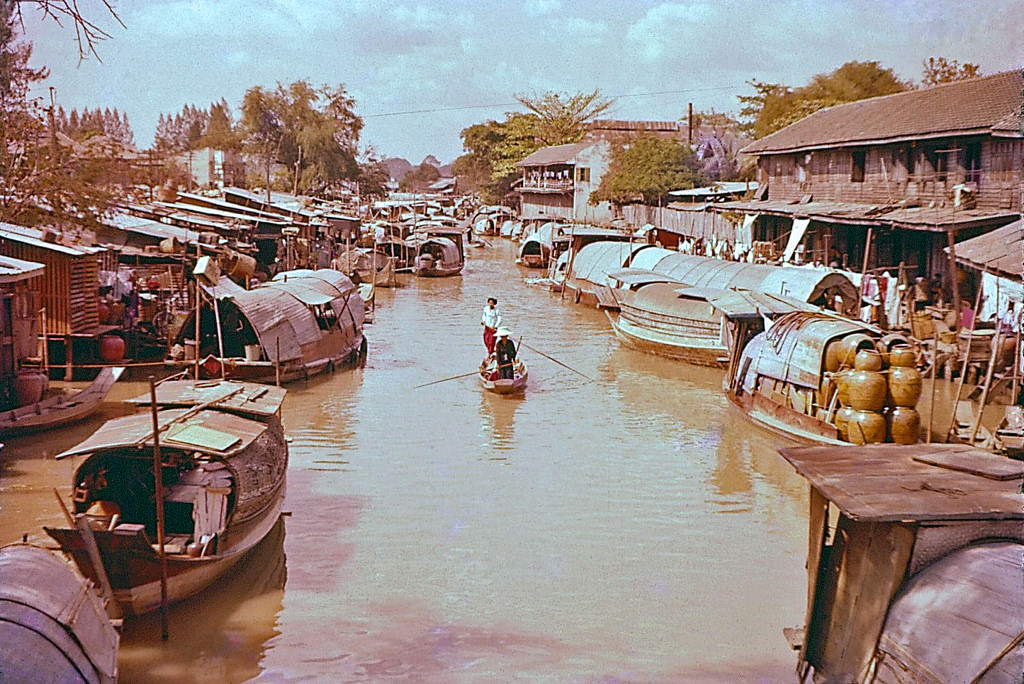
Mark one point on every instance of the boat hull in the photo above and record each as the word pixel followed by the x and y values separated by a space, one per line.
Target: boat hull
pixel 784 421
pixel 700 351
pixel 61 410
pixel 516 385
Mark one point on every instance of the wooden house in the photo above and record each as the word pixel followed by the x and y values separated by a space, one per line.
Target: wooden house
pixel 18 321
pixel 557 182
pixel 913 564
pixel 898 177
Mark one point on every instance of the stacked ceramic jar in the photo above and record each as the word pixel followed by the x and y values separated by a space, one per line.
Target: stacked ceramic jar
pixel 904 422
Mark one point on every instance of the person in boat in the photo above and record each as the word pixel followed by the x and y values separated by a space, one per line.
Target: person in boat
pixel 491 320
pixel 505 349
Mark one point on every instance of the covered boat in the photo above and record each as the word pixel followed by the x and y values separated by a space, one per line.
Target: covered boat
pixel 490 380
pixel 299 324
pixel 587 278
pixel 223 462
pixel 660 315
pixel 536 247
pixel 60 407
pixel 440 254
pixel 913 565
pixel 53 625
pixel 798 378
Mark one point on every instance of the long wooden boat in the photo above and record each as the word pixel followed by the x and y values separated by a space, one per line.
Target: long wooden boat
pixel 224 459
pixel 536 248
pixel 781 378
pixel 440 254
pixel 297 325
pixel 913 565
pixel 53 625
pixel 489 380
pixel 60 408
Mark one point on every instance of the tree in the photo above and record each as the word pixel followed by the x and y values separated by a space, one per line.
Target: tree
pixel 87 33
pixel 941 70
pixel 220 131
pixel 312 131
pixel 373 175
pixel 775 106
pixel 41 181
pixel 563 118
pixel 419 178
pixel 647 167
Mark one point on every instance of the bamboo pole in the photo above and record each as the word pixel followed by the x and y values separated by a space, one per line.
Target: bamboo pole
pixel 199 298
pixel 996 344
pixel 931 401
pixel 277 364
pixel 159 480
pixel 953 282
pixel 46 344
pixel 963 366
pixel 220 336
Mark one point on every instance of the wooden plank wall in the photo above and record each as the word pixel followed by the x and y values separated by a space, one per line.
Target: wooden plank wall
pixel 826 174
pixel 68 288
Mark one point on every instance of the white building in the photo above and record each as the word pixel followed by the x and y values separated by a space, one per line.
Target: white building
pixel 557 182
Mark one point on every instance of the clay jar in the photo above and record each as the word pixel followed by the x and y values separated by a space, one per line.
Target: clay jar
pixel 866 389
pixel 902 356
pixel 29 387
pixel 904 386
pixel 111 348
pixel 866 427
pixel 842 422
pixel 848 347
pixel 842 386
pixel 904 425
pixel 868 360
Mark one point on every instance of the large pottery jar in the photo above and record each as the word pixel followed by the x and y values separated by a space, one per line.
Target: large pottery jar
pixel 866 390
pixel 111 348
pixel 842 386
pixel 904 386
pixel 842 421
pixel 850 345
pixel 832 363
pixel 902 356
pixel 904 425
pixel 868 359
pixel 29 387
pixel 866 427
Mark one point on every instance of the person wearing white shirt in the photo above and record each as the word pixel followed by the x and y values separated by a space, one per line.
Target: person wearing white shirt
pixel 491 320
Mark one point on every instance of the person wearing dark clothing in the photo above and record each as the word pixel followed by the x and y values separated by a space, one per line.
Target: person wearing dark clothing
pixel 505 349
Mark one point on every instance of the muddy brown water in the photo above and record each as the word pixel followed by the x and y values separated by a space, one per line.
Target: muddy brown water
pixel 635 528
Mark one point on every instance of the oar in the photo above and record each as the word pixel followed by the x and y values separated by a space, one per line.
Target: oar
pixel 551 358
pixel 454 377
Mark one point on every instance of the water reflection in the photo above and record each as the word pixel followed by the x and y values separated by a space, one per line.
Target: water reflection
pixel 498 420
pixel 221 633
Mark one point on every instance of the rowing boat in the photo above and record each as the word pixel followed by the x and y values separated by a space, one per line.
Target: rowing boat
pixel 490 381
pixel 61 407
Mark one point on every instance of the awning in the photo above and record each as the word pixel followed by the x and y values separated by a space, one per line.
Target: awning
pixel 796 236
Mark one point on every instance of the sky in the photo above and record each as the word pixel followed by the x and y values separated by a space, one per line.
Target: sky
pixel 420 72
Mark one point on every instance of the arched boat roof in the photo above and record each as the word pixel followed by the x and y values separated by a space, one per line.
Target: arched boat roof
pixel 595 261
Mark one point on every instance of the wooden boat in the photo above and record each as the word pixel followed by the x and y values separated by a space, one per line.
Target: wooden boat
pixel 913 565
pixel 224 459
pixel 60 407
pixel 489 380
pixel 297 325
pixel 440 254
pixel 53 626
pixel 536 248
pixel 782 380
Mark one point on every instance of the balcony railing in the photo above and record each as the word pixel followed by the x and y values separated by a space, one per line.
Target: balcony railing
pixel 548 184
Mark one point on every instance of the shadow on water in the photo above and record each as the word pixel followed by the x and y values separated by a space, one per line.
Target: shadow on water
pixel 221 633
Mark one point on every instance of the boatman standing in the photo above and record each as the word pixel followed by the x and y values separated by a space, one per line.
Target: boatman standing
pixel 506 352
pixel 490 320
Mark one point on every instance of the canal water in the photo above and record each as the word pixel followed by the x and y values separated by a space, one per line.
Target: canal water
pixel 628 528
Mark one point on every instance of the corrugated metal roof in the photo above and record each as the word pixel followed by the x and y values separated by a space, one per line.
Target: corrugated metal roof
pixel 791 350
pixel 13 270
pixel 34 238
pixel 977 105
pixel 806 284
pixel 935 219
pixel 595 261
pixel 144 226
pixel 556 154
pixel 749 304
pixel 639 276
pixel 997 251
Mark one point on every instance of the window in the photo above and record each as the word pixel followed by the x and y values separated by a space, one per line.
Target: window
pixel 935 162
pixel 583 174
pixel 972 162
pixel 857 171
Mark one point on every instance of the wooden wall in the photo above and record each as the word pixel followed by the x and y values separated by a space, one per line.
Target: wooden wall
pixel 892 173
pixel 68 288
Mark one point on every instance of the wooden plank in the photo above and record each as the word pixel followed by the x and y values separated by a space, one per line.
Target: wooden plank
pixel 986 465
pixel 818 526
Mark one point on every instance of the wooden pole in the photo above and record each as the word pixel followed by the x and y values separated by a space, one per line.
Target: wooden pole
pixel 46 344
pixel 220 336
pixel 864 269
pixel 996 344
pixel 199 298
pixel 159 480
pixel 963 367
pixel 955 287
pixel 931 402
pixel 277 364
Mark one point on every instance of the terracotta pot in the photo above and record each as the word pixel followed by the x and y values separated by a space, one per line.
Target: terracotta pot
pixel 111 348
pixel 866 427
pixel 849 346
pixel 868 360
pixel 904 386
pixel 29 387
pixel 904 425
pixel 842 420
pixel 842 386
pixel 867 390
pixel 832 356
pixel 902 356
